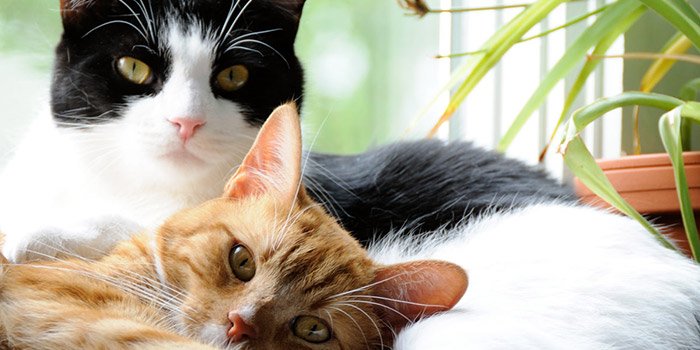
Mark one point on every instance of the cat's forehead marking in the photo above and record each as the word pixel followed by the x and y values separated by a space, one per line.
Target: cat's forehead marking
pixel 189 43
pixel 317 262
pixel 191 58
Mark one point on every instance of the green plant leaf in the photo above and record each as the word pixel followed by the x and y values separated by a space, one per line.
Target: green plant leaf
pixel 689 91
pixel 680 14
pixel 494 49
pixel 671 135
pixel 586 115
pixel 615 19
pixel 600 49
pixel 678 44
pixel 581 162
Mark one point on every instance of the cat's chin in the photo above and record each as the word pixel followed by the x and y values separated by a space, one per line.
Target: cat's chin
pixel 182 157
pixel 182 167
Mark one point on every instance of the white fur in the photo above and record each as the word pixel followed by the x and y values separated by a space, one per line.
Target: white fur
pixel 558 277
pixel 135 167
pixel 215 335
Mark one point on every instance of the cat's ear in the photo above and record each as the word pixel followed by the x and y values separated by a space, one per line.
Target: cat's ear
pixel 273 165
pixel 417 289
pixel 79 13
pixel 295 7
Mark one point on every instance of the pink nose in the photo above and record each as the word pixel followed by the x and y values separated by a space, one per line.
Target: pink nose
pixel 239 330
pixel 187 126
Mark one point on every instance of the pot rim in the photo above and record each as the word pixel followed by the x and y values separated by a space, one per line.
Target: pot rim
pixel 646 160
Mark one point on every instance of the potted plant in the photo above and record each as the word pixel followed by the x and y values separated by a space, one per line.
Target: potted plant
pixel 655 184
pixel 612 20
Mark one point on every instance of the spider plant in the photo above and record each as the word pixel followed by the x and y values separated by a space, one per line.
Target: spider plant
pixel 611 21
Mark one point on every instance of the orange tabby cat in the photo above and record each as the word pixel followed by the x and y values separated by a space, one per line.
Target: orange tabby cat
pixel 264 267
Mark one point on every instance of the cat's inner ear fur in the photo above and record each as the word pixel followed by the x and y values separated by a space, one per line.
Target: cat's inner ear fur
pixel 273 164
pixel 417 289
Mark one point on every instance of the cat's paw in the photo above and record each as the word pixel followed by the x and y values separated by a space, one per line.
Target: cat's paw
pixel 87 240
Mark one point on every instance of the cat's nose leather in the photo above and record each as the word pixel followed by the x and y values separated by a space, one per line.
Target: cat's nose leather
pixel 187 126
pixel 240 330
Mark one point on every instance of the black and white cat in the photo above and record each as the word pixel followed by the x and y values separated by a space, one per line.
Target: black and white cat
pixel 155 102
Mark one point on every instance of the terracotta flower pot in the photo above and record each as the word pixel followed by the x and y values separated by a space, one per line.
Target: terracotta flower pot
pixel 647 183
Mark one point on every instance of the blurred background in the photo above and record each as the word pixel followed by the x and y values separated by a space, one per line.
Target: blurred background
pixel 372 73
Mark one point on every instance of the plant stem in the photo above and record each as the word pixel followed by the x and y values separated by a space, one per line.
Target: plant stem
pixel 496 46
pixel 475 9
pixel 695 59
pixel 536 36
pixel 637 136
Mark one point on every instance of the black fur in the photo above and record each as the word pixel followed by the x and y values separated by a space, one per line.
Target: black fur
pixel 424 185
pixel 87 89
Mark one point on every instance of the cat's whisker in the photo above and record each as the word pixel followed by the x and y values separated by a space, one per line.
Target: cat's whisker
pixel 79 119
pixel 362 332
pixel 261 32
pixel 152 15
pixel 235 21
pixel 410 321
pixel 333 177
pixel 244 49
pixel 290 223
pixel 330 318
pixel 376 327
pixel 100 117
pixel 148 18
pixel 172 293
pixel 325 198
pixel 128 285
pixel 363 288
pixel 314 183
pixel 271 239
pixel 390 328
pixel 224 28
pixel 397 301
pixel 116 21
pixel 72 110
pixel 108 165
pixel 154 52
pixel 136 289
pixel 138 19
pixel 237 42
pixel 299 185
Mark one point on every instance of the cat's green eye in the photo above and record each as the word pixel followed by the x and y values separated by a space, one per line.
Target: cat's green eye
pixel 242 263
pixel 232 78
pixel 134 70
pixel 312 329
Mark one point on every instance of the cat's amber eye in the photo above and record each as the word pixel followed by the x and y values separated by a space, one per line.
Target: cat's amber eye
pixel 232 78
pixel 134 70
pixel 242 263
pixel 311 329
